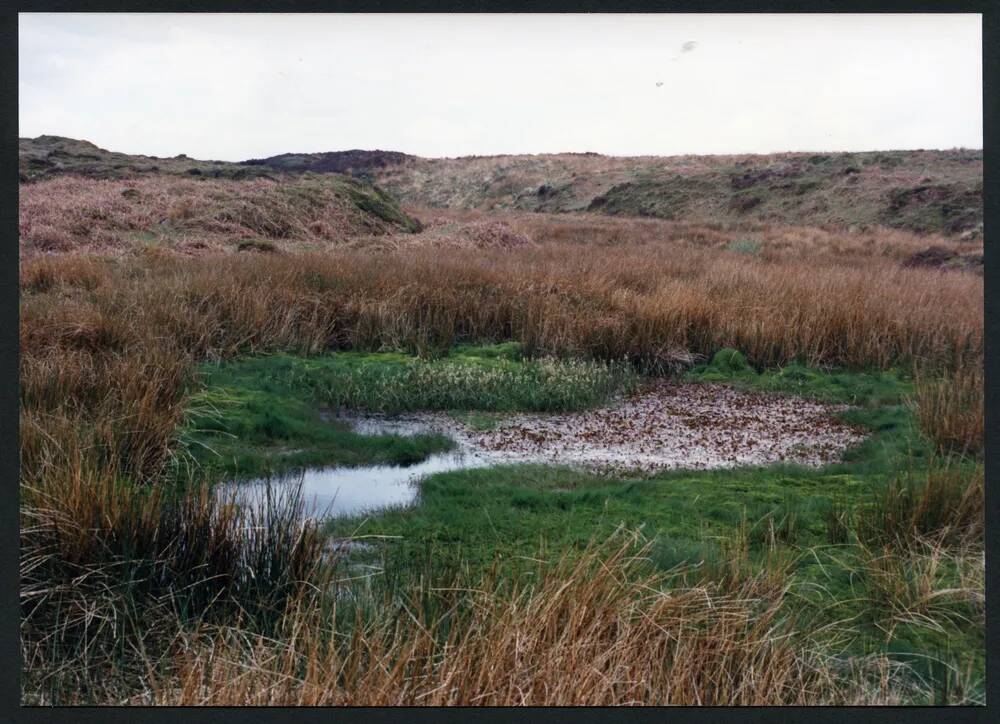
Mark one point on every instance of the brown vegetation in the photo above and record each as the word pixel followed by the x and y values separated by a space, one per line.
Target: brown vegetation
pixel 950 409
pixel 73 214
pixel 595 629
pixel 121 337
pixel 114 562
pixel 929 192
pixel 921 191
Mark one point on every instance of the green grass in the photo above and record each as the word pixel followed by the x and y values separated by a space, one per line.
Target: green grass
pixel 508 510
pixel 501 518
pixel 511 508
pixel 266 414
pixel 374 201
pixel 482 519
pixel 484 379
pixel 751 247
pixel 240 428
pixel 874 388
pixel 312 189
pixel 263 413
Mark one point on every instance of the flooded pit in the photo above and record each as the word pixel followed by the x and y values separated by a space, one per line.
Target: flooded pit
pixel 667 425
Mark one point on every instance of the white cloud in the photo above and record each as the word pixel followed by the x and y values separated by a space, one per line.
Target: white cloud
pixel 238 86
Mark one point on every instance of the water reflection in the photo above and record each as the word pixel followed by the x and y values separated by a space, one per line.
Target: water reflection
pixel 333 491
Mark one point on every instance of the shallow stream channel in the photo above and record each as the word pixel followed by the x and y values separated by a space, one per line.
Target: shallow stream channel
pixel 667 425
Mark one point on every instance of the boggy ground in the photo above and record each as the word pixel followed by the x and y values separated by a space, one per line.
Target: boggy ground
pixel 823 532
pixel 277 414
pixel 809 526
pixel 857 582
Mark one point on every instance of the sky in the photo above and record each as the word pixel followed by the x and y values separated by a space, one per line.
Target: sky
pixel 237 86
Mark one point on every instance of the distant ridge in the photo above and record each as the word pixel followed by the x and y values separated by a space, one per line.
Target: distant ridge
pixel 354 161
pixel 926 191
pixel 46 156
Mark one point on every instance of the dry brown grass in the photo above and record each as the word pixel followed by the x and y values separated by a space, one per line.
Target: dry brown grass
pixel 921 548
pixel 111 343
pixel 950 409
pixel 108 346
pixel 908 586
pixel 846 248
pixel 608 302
pixel 944 502
pixel 74 214
pixel 850 249
pixel 594 629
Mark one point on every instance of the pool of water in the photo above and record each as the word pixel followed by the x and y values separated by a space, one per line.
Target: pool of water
pixel 336 491
pixel 667 426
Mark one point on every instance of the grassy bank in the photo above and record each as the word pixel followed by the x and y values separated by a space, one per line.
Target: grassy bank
pixel 266 414
pixel 193 215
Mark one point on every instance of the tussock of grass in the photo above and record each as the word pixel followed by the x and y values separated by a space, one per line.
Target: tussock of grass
pixel 945 502
pixel 950 409
pixel 111 572
pixel 590 629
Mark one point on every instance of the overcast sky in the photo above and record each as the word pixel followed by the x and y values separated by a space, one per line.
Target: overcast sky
pixel 232 87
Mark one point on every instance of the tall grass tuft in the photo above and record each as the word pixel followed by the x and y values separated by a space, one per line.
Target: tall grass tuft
pixel 111 571
pixel 944 502
pixel 949 409
pixel 593 629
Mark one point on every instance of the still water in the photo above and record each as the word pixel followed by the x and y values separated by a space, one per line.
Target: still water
pixel 334 491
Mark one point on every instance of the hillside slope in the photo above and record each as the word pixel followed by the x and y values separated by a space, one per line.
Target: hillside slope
pixel 76 196
pixel 48 156
pixel 74 213
pixel 355 162
pixel 922 191
pixel 919 191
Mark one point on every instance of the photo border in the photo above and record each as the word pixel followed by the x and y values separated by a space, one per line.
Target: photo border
pixel 10 659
